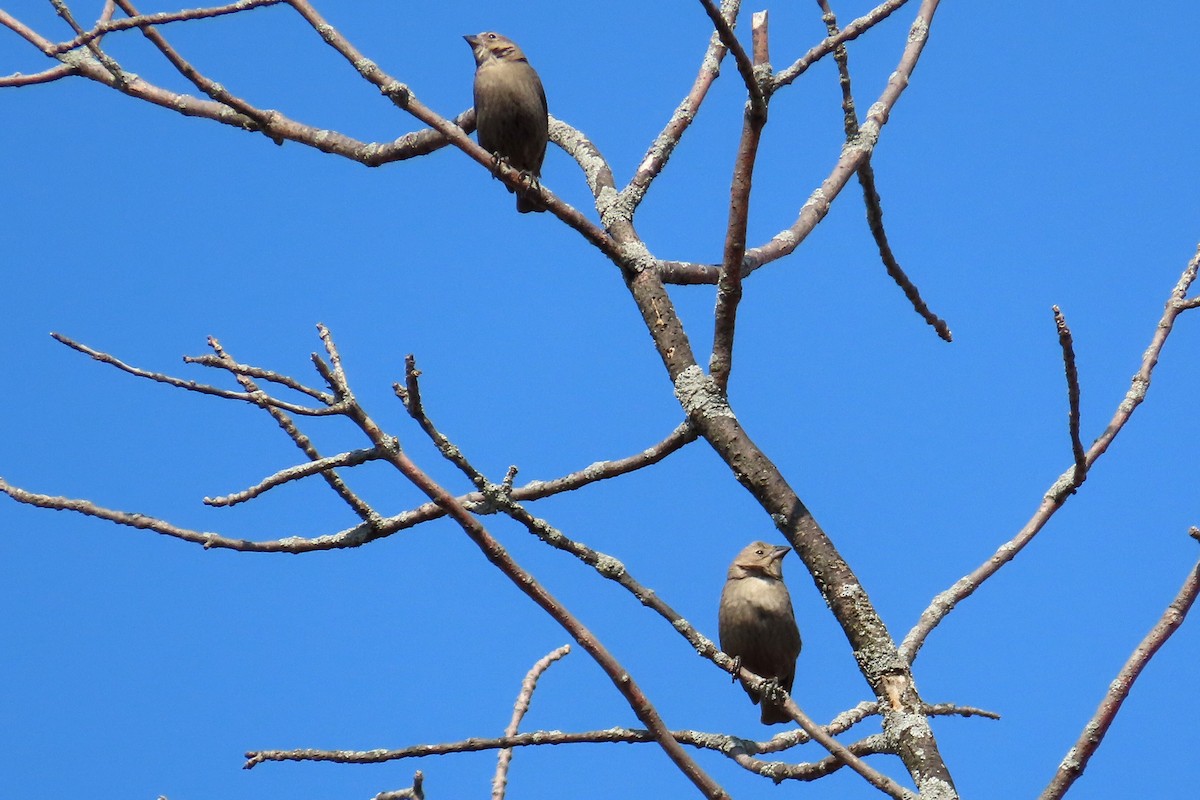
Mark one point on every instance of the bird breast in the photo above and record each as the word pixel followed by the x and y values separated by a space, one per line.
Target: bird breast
pixel 759 596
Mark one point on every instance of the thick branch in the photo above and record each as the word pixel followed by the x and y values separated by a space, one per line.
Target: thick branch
pixel 708 409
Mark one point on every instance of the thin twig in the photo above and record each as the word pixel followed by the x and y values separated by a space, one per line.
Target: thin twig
pixel 743 751
pixel 1094 731
pixel 852 31
pixel 839 751
pixel 112 66
pixel 45 76
pixel 350 459
pixel 664 144
pixel 866 177
pixel 724 743
pixel 229 365
pixel 417 792
pixel 258 399
pixel 136 20
pixel 520 708
pixel 952 709
pixel 853 155
pixel 724 27
pixel 1067 344
pixel 299 438
pixel 210 87
pixel 1064 486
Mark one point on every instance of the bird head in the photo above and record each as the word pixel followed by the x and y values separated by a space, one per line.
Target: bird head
pixel 759 559
pixel 490 45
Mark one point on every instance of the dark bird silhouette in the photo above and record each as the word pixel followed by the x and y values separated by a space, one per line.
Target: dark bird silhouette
pixel 510 109
pixel 756 622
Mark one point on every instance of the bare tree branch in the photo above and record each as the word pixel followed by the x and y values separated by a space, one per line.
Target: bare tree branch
pixel 257 398
pixel 113 68
pixel 504 759
pixel 681 119
pixel 522 579
pixel 839 751
pixel 220 360
pixel 136 20
pixel 743 751
pixel 866 177
pixel 417 792
pixel 852 31
pixel 1068 349
pixel 412 402
pixel 854 155
pixel 350 459
pixel 710 412
pixel 1062 488
pixel 374 526
pixel 45 76
pixel 724 27
pixel 243 375
pixel 729 285
pixel 262 119
pixel 1094 731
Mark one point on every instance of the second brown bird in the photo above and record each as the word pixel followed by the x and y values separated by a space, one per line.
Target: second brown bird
pixel 756 622
pixel 511 116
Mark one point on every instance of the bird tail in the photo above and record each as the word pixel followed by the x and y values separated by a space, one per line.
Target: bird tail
pixel 527 203
pixel 773 715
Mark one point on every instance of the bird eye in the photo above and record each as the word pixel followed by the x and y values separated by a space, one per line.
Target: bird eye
pixel 491 36
pixel 758 552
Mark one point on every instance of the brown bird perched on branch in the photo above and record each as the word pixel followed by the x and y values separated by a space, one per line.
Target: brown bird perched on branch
pixel 756 622
pixel 510 109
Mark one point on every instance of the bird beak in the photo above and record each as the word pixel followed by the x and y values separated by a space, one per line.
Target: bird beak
pixel 472 40
pixel 780 552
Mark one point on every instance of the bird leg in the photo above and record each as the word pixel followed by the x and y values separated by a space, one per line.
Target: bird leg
pixel 771 693
pixel 529 179
pixel 531 185
pixel 737 667
pixel 497 159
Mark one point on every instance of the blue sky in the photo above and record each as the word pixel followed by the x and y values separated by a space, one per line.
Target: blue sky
pixel 1034 160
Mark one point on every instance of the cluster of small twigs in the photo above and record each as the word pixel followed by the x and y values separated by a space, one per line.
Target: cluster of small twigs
pixel 703 397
